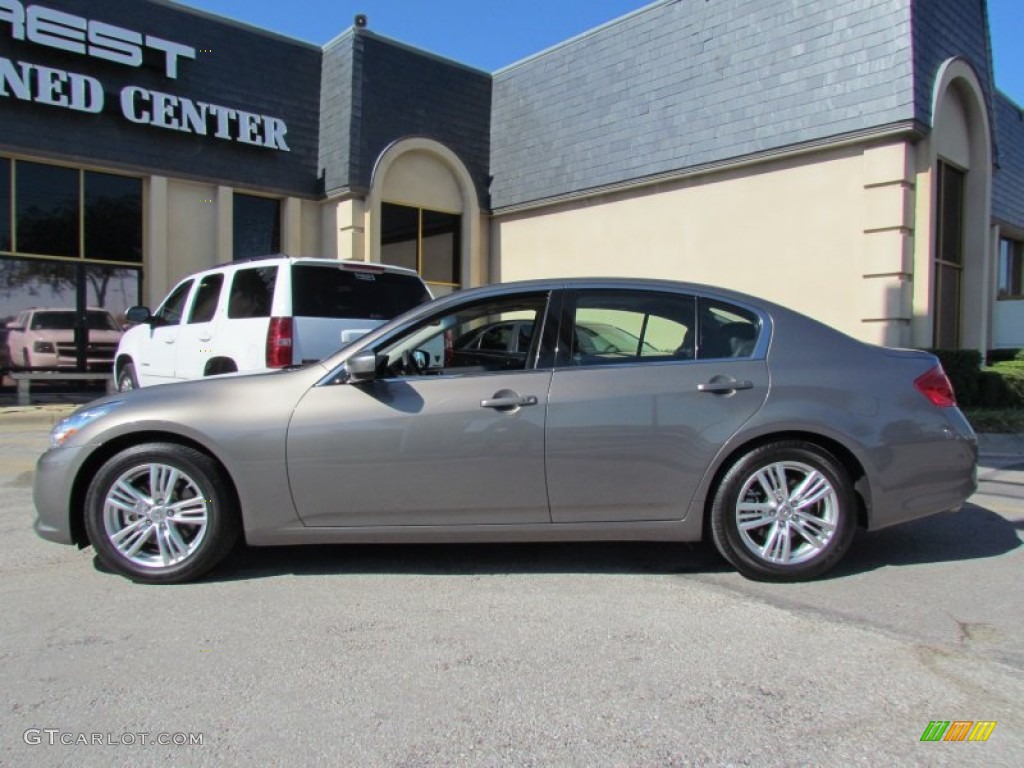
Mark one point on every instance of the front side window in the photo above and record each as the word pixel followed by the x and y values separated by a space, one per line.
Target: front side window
pixel 470 339
pixel 1011 269
pixel 173 308
pixel 631 326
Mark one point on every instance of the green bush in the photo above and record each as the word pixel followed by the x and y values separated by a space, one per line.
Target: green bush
pixel 963 366
pixel 1002 355
pixel 999 386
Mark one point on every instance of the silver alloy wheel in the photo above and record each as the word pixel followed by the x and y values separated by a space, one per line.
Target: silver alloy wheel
pixel 125 384
pixel 155 515
pixel 787 513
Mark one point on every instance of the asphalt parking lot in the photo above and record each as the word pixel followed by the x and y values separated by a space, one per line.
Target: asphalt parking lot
pixel 525 655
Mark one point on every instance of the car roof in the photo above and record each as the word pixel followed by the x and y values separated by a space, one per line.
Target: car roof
pixel 320 261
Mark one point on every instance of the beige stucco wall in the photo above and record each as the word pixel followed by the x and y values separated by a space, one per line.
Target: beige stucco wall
pixel 181 232
pixel 829 234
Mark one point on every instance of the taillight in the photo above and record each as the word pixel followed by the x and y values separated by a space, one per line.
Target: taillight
pixel 935 385
pixel 279 342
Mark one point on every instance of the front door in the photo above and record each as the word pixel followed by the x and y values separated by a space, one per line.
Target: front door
pixel 438 438
pixel 157 357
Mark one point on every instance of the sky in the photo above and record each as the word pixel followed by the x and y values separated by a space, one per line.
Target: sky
pixel 491 34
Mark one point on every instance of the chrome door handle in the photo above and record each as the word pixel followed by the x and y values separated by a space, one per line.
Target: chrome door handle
pixel 508 400
pixel 721 385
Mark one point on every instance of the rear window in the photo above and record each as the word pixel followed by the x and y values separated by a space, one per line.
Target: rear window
pixel 324 291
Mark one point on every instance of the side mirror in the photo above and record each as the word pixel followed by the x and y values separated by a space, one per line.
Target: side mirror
pixel 361 368
pixel 138 315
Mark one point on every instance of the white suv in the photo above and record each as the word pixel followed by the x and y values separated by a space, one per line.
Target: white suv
pixel 261 314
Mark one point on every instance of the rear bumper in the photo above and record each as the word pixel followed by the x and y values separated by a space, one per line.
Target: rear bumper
pixel 935 477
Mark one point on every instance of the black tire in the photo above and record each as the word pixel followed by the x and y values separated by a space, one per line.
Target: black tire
pixel 787 535
pixel 156 548
pixel 126 379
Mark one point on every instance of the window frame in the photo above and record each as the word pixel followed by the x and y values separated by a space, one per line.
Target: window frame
pixel 563 358
pixel 1011 267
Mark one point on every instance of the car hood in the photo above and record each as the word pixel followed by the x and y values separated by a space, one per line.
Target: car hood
pixel 205 410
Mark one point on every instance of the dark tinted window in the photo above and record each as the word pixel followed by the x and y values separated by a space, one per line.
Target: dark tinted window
pixel 113 217
pixel 207 296
pixel 726 330
pixel 47 209
pixel 252 292
pixel 53 321
pixel 441 247
pixel 174 305
pixel 324 291
pixel 257 226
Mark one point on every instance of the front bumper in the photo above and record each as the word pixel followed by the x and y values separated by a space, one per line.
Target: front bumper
pixel 51 493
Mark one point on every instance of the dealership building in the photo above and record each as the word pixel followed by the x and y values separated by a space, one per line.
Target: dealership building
pixel 853 160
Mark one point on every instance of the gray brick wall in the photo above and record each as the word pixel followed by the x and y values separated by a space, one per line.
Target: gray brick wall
pixel 245 69
pixel 1008 182
pixel 944 29
pixel 336 125
pixel 682 83
pixel 402 92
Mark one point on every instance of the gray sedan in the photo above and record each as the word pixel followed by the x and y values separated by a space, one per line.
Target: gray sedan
pixel 715 415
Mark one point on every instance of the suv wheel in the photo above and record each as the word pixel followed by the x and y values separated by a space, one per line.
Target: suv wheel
pixel 126 378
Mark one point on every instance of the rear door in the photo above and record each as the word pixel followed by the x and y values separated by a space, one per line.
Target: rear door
pixel 195 339
pixel 641 400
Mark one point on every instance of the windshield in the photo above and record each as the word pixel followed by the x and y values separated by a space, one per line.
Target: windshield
pixel 65 320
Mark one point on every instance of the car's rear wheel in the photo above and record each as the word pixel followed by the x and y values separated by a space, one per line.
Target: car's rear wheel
pixel 784 512
pixel 160 513
pixel 126 379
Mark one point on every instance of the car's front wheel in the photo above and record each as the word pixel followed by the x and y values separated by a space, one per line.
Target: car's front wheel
pixel 126 379
pixel 785 511
pixel 160 513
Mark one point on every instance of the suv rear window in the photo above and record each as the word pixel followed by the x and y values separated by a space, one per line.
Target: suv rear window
pixel 252 293
pixel 324 291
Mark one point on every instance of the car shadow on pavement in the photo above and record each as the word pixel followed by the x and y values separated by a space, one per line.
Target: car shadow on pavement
pixel 973 533
pixel 469 559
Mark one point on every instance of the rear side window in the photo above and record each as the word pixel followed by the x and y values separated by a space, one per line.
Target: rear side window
pixel 726 330
pixel 612 326
pixel 207 296
pixel 252 292
pixel 325 291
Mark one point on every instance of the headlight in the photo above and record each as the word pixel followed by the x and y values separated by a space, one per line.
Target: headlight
pixel 78 420
pixel 44 347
